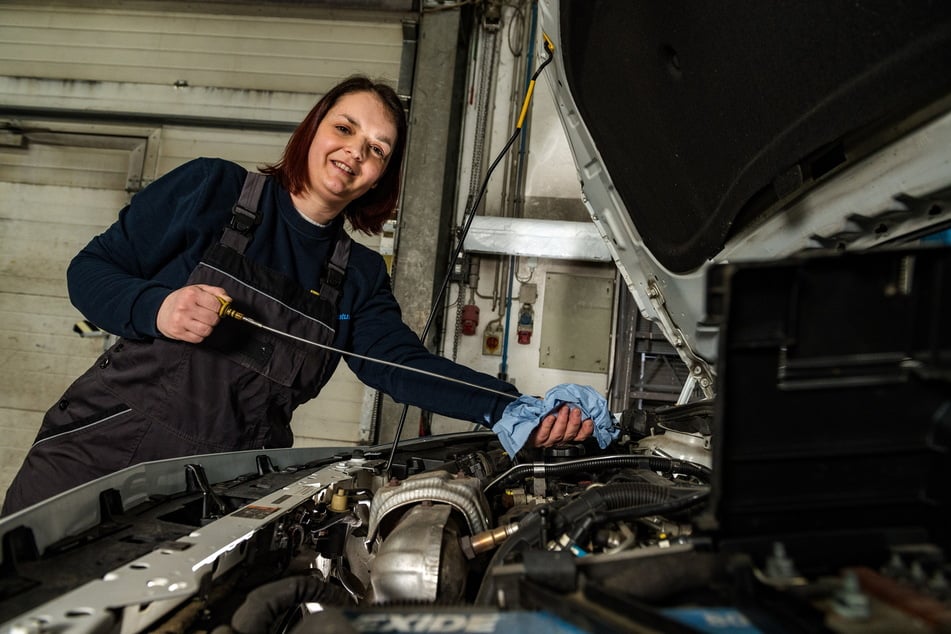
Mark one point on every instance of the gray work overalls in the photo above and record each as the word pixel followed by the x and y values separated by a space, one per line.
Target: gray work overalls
pixel 153 399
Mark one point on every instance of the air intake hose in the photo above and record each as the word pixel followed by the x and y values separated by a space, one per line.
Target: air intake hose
pixel 266 606
pixel 609 497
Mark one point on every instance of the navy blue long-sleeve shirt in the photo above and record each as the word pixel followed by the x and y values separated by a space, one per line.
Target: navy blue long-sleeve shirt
pixel 120 279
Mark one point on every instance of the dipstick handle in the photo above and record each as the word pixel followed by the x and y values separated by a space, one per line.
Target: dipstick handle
pixel 227 311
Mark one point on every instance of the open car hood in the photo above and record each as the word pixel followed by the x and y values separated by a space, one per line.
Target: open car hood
pixel 706 133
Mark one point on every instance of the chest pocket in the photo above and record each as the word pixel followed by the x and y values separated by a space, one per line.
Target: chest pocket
pixel 270 355
pixel 275 301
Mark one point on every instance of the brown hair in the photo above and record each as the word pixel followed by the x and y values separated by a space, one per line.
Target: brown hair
pixel 368 212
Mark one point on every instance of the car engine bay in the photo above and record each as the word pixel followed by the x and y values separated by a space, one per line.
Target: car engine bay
pixel 456 536
pixel 440 529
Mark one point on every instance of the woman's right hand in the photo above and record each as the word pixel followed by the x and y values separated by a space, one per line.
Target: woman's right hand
pixel 190 313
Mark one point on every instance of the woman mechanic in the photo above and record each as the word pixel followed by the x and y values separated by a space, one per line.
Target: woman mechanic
pixel 181 380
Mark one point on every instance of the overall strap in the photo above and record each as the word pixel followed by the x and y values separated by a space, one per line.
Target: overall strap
pixel 331 282
pixel 245 215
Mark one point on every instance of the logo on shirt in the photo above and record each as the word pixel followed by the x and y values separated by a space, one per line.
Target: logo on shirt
pixel 344 316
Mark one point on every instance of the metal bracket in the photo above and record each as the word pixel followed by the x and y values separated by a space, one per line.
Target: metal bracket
pixel 700 372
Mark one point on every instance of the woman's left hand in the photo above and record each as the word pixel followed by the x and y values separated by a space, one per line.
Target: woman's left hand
pixel 563 426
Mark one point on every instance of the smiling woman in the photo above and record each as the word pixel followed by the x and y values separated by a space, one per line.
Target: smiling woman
pixel 325 165
pixel 181 381
pixel 348 156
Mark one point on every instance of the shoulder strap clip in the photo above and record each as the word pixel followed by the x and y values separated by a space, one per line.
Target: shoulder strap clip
pixel 244 214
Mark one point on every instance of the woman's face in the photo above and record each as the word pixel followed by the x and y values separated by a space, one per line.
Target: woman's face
pixel 348 154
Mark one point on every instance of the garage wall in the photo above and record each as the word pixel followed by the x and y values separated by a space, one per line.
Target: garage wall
pixel 571 301
pixel 188 49
pixel 95 103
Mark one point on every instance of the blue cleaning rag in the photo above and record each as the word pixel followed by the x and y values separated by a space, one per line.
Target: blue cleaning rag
pixel 524 414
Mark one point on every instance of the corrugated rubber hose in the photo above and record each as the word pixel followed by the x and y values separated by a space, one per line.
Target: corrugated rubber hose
pixel 265 606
